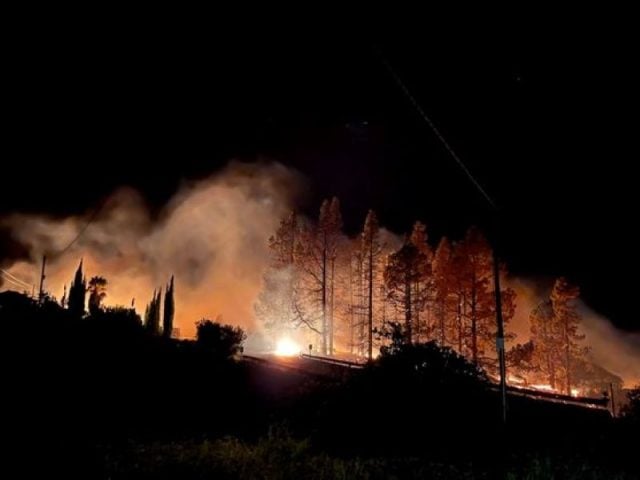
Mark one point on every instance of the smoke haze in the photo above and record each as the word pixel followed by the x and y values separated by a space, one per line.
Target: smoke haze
pixel 611 348
pixel 212 235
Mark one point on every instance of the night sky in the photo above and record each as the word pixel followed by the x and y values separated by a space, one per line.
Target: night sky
pixel 544 117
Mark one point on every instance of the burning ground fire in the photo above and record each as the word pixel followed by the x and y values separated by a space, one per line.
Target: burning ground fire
pixel 286 347
pixel 521 382
pixel 544 387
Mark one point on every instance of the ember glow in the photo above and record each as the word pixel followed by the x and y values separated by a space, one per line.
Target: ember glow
pixel 287 348
pixel 544 387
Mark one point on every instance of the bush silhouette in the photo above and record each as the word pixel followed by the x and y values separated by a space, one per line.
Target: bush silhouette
pixel 221 341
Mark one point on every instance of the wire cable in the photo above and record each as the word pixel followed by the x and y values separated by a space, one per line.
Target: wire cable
pixel 435 130
pixel 9 276
pixel 16 284
pixel 83 229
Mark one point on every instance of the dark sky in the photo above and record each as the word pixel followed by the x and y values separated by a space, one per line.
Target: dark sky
pixel 545 116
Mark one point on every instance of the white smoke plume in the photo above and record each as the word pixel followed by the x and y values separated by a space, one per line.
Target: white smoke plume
pixel 212 235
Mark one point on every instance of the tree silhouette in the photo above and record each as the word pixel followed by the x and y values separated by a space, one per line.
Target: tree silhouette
pixel 221 341
pixel 315 257
pixel 169 310
pixel 555 334
pixel 370 255
pixel 77 293
pixel 520 357
pixel 473 279
pixel 423 288
pixel 406 270
pixel 445 298
pixel 152 313
pixel 563 298
pixel 97 292
pixel 330 229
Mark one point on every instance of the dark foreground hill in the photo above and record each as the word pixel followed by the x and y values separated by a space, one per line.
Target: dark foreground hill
pixel 101 397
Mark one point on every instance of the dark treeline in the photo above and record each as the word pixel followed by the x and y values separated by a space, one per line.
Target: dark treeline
pixel 103 396
pixel 75 380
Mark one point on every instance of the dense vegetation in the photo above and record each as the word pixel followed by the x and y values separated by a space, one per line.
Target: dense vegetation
pixel 102 396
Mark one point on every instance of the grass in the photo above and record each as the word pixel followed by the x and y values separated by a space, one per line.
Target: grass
pixel 279 457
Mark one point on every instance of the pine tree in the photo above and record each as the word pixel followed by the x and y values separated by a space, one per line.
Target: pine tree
pixel 555 333
pixel 445 299
pixel 169 310
pixel 423 287
pixel 357 333
pixel 331 225
pixel 77 293
pixel 545 339
pixel 283 243
pixel 370 252
pixel 316 253
pixel 97 292
pixel 406 270
pixel 563 298
pixel 63 300
pixel 555 325
pixel 473 267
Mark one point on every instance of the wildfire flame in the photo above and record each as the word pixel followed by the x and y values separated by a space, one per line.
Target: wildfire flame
pixel 575 392
pixel 287 348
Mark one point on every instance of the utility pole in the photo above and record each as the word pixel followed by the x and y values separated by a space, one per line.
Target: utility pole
pixel 370 306
pixel 42 277
pixel 495 211
pixel 613 401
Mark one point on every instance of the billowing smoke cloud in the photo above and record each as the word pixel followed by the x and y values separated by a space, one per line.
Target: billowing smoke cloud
pixel 615 350
pixel 212 235
pixel 611 348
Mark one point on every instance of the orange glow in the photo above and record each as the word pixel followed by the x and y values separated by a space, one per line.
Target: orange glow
pixel 545 387
pixel 575 392
pixel 287 348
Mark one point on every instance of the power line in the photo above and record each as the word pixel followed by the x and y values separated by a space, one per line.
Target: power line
pixel 435 130
pixel 496 274
pixel 83 229
pixel 15 284
pixel 69 245
pixel 10 276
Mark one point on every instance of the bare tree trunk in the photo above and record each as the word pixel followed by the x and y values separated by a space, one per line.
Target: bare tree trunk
pixel 351 307
pixel 361 319
pixel 461 304
pixel 370 306
pixel 417 313
pixel 324 295
pixel 474 326
pixel 407 308
pixel 567 353
pixel 331 310
pixel 441 318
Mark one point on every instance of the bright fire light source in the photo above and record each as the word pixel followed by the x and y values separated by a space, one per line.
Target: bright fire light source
pixel 287 348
